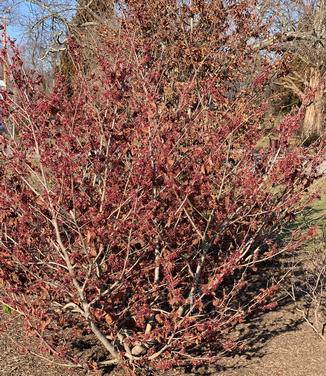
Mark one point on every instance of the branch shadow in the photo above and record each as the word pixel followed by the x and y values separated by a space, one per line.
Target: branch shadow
pixel 259 329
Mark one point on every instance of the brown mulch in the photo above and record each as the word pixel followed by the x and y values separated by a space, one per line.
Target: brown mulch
pixel 283 346
pixel 14 361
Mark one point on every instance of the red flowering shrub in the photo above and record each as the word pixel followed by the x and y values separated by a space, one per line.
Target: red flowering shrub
pixel 137 207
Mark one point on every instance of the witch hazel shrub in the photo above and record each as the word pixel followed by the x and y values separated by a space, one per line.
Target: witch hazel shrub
pixel 134 203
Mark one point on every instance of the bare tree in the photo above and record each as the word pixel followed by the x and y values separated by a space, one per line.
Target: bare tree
pixel 44 25
pixel 299 30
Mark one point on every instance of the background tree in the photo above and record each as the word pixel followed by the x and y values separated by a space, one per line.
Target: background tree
pixel 299 29
pixel 44 25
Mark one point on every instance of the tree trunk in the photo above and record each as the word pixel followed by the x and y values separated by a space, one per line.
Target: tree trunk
pixel 314 116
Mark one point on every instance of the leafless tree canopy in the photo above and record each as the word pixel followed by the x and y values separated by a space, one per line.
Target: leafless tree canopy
pixel 299 30
pixel 45 23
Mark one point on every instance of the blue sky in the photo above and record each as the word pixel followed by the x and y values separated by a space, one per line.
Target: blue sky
pixel 24 10
pixel 14 28
pixel 15 32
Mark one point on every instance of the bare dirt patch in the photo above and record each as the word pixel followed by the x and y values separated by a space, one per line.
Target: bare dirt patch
pixel 282 345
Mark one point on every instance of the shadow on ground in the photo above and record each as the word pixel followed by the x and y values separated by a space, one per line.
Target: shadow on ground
pixel 279 342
